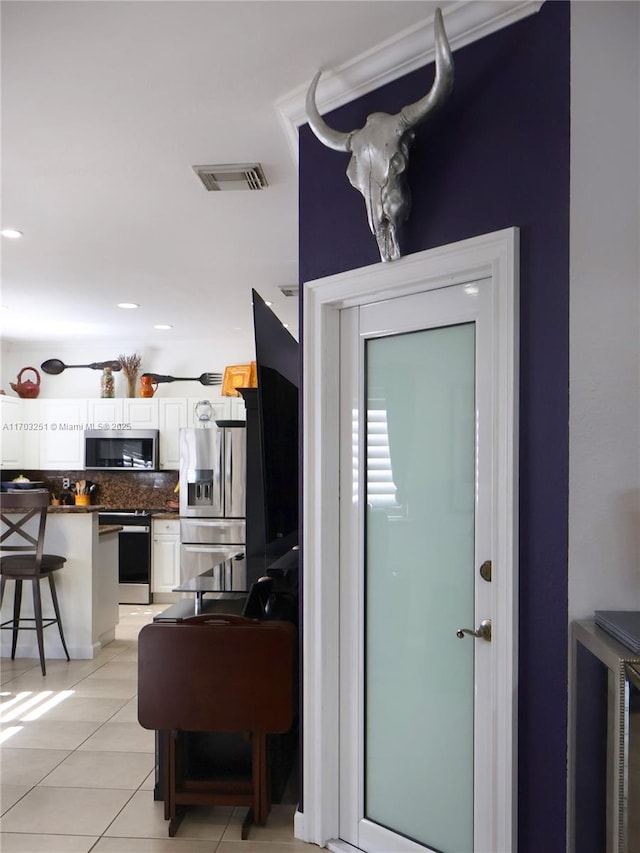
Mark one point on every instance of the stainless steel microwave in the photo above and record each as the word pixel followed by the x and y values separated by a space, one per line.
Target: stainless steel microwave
pixel 121 450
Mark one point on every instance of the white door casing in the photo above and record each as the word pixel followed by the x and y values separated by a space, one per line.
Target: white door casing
pixel 403 601
pixel 491 256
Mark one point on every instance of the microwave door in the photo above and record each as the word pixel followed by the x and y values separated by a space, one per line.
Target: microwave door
pixel 117 450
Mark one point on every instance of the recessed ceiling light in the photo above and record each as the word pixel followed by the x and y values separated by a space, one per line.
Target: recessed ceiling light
pixel 268 303
pixel 128 305
pixel 286 325
pixel 162 326
pixel 11 233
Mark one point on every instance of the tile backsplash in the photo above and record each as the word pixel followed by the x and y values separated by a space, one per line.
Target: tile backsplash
pixel 126 490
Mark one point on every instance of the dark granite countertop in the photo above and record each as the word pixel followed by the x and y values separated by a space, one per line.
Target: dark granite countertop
pixel 73 509
pixel 161 514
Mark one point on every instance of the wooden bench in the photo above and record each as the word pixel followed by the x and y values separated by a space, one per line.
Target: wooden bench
pixel 216 673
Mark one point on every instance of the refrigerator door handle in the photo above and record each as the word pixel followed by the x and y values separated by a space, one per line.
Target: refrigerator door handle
pixel 227 470
pixel 209 548
pixel 198 549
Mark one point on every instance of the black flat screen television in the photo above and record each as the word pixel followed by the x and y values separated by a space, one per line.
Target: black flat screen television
pixel 277 362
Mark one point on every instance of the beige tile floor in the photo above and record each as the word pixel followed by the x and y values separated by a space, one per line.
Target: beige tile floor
pixel 78 776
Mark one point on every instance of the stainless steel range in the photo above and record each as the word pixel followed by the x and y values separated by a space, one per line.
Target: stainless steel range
pixel 134 553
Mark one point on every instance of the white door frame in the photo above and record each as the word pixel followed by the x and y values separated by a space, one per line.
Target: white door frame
pixel 494 255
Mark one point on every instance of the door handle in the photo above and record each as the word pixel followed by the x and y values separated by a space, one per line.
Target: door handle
pixel 483 632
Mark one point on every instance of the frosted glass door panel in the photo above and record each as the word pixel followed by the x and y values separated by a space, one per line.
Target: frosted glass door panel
pixel 419 585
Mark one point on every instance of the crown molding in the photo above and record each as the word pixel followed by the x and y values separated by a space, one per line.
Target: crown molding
pixel 466 21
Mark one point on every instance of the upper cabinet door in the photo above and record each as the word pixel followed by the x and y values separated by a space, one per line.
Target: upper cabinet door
pixel 104 413
pixel 123 413
pixel 140 413
pixel 219 408
pixel 62 440
pixel 12 426
pixel 172 414
pixel 237 411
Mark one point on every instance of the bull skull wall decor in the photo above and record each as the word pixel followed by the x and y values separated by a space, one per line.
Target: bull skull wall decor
pixel 380 150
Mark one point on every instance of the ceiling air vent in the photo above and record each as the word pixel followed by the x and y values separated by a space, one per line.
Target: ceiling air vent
pixel 232 176
pixel 288 289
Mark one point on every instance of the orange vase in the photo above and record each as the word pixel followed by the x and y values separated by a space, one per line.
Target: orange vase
pixel 147 386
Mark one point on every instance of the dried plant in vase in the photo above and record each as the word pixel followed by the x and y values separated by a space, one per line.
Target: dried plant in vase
pixel 130 366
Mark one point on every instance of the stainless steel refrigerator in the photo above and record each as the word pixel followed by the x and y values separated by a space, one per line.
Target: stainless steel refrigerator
pixel 213 476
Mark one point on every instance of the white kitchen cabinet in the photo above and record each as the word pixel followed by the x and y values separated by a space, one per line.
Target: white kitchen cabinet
pixel 123 413
pixel 140 412
pixel 61 439
pixel 103 411
pixel 165 557
pixel 47 434
pixel 237 411
pixel 11 433
pixel 31 438
pixel 172 415
pixel 218 405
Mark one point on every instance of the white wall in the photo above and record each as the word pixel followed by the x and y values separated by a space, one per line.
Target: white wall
pixel 604 480
pixel 183 358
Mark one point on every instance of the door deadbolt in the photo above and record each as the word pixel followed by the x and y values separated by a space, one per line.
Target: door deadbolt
pixel 483 632
pixel 485 571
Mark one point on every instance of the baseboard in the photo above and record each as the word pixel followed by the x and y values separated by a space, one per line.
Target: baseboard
pixel 165 597
pixel 29 652
pixel 299 825
pixel 336 845
pixel 108 637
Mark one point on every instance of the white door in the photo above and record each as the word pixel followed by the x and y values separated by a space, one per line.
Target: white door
pixel 416 460
pixel 410 487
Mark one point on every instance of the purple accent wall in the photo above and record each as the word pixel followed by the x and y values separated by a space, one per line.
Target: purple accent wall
pixel 592 688
pixel 497 155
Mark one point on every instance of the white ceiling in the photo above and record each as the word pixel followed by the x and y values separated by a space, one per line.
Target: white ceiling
pixel 106 106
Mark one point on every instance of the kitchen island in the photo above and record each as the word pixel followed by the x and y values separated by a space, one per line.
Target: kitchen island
pixel 87 587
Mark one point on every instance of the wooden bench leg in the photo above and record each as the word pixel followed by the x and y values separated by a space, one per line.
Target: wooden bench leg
pixel 246 824
pixel 265 801
pixel 172 812
pixel 260 784
pixel 176 820
pixel 165 781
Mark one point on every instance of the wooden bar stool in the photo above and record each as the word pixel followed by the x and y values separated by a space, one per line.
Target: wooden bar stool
pixel 23 516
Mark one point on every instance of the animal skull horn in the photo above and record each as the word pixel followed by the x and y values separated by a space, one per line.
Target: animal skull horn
pixel 380 150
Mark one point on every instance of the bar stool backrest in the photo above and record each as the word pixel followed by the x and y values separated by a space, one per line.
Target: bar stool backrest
pixel 24 517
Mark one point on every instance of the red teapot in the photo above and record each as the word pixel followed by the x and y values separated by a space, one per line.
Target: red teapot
pixel 27 390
